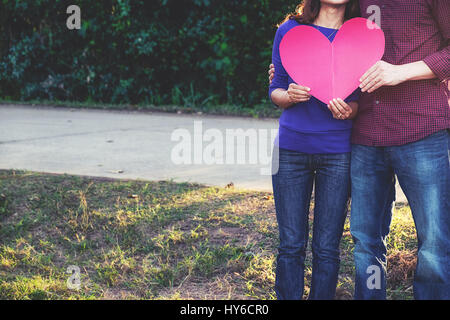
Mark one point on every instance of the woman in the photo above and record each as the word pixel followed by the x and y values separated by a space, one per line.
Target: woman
pixel 314 150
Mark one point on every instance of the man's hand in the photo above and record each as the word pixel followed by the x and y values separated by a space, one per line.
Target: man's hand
pixel 383 74
pixel 271 73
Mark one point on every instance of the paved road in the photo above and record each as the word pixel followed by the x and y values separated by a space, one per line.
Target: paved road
pixel 135 145
pixel 118 144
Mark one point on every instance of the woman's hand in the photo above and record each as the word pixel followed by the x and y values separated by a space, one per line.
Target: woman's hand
pixel 342 110
pixel 287 98
pixel 294 94
pixel 297 94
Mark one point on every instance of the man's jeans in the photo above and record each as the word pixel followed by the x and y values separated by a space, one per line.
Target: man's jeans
pixel 292 185
pixel 423 171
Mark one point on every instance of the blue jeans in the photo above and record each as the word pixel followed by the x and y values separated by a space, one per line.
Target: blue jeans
pixel 292 186
pixel 423 171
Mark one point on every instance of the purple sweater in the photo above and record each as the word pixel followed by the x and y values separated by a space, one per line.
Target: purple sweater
pixel 308 127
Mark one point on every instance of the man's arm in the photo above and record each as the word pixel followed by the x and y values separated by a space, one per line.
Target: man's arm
pixel 386 74
pixel 436 65
pixel 439 61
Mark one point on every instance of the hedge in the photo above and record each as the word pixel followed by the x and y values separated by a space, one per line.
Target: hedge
pixel 139 52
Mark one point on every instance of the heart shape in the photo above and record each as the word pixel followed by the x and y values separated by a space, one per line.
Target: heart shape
pixel 332 69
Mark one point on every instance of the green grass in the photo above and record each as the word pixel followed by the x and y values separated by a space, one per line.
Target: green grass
pixel 258 111
pixel 154 240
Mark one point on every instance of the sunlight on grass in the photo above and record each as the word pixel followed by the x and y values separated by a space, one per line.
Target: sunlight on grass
pixel 32 288
pixel 155 240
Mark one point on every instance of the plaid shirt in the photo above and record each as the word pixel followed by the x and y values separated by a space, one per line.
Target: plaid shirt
pixel 416 30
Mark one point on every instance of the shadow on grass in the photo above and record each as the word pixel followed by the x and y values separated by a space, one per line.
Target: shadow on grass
pixel 150 240
pixel 132 237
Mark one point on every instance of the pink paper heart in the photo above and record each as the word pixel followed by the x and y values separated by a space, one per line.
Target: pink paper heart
pixel 332 69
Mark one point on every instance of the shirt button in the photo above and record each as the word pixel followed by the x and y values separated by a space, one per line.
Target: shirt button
pixel 377 102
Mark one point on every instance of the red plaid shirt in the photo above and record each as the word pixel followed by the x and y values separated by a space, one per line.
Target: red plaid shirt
pixel 416 30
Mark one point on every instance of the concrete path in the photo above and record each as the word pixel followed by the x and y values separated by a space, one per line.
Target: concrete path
pixel 127 144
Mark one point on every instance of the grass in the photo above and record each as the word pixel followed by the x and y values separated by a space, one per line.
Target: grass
pixel 258 111
pixel 154 240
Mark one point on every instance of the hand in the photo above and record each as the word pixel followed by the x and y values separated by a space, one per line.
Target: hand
pixel 382 74
pixel 297 94
pixel 271 73
pixel 340 109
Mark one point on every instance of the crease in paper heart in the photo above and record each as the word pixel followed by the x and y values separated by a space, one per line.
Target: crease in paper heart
pixel 332 69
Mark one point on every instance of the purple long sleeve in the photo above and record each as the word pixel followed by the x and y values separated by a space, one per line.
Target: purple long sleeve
pixel 308 127
pixel 281 79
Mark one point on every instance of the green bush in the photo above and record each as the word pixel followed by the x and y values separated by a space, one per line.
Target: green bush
pixel 139 51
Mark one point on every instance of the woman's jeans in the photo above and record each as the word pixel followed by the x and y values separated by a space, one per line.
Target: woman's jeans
pixel 423 171
pixel 292 186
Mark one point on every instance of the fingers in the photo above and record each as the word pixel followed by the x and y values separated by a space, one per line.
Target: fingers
pixel 299 93
pixel 376 84
pixel 369 72
pixel 340 109
pixel 337 106
pixel 334 111
pixel 271 73
pixel 344 106
pixel 296 87
pixel 373 84
pixel 298 97
pixel 377 76
pixel 271 70
pixel 370 80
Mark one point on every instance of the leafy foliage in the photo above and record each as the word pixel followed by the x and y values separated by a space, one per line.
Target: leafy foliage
pixel 136 51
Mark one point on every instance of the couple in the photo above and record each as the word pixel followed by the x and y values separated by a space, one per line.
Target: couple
pixel 395 124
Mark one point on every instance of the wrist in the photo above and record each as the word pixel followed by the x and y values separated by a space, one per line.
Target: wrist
pixel 287 100
pixel 404 73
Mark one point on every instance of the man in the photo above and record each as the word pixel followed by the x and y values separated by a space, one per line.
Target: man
pixel 402 130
